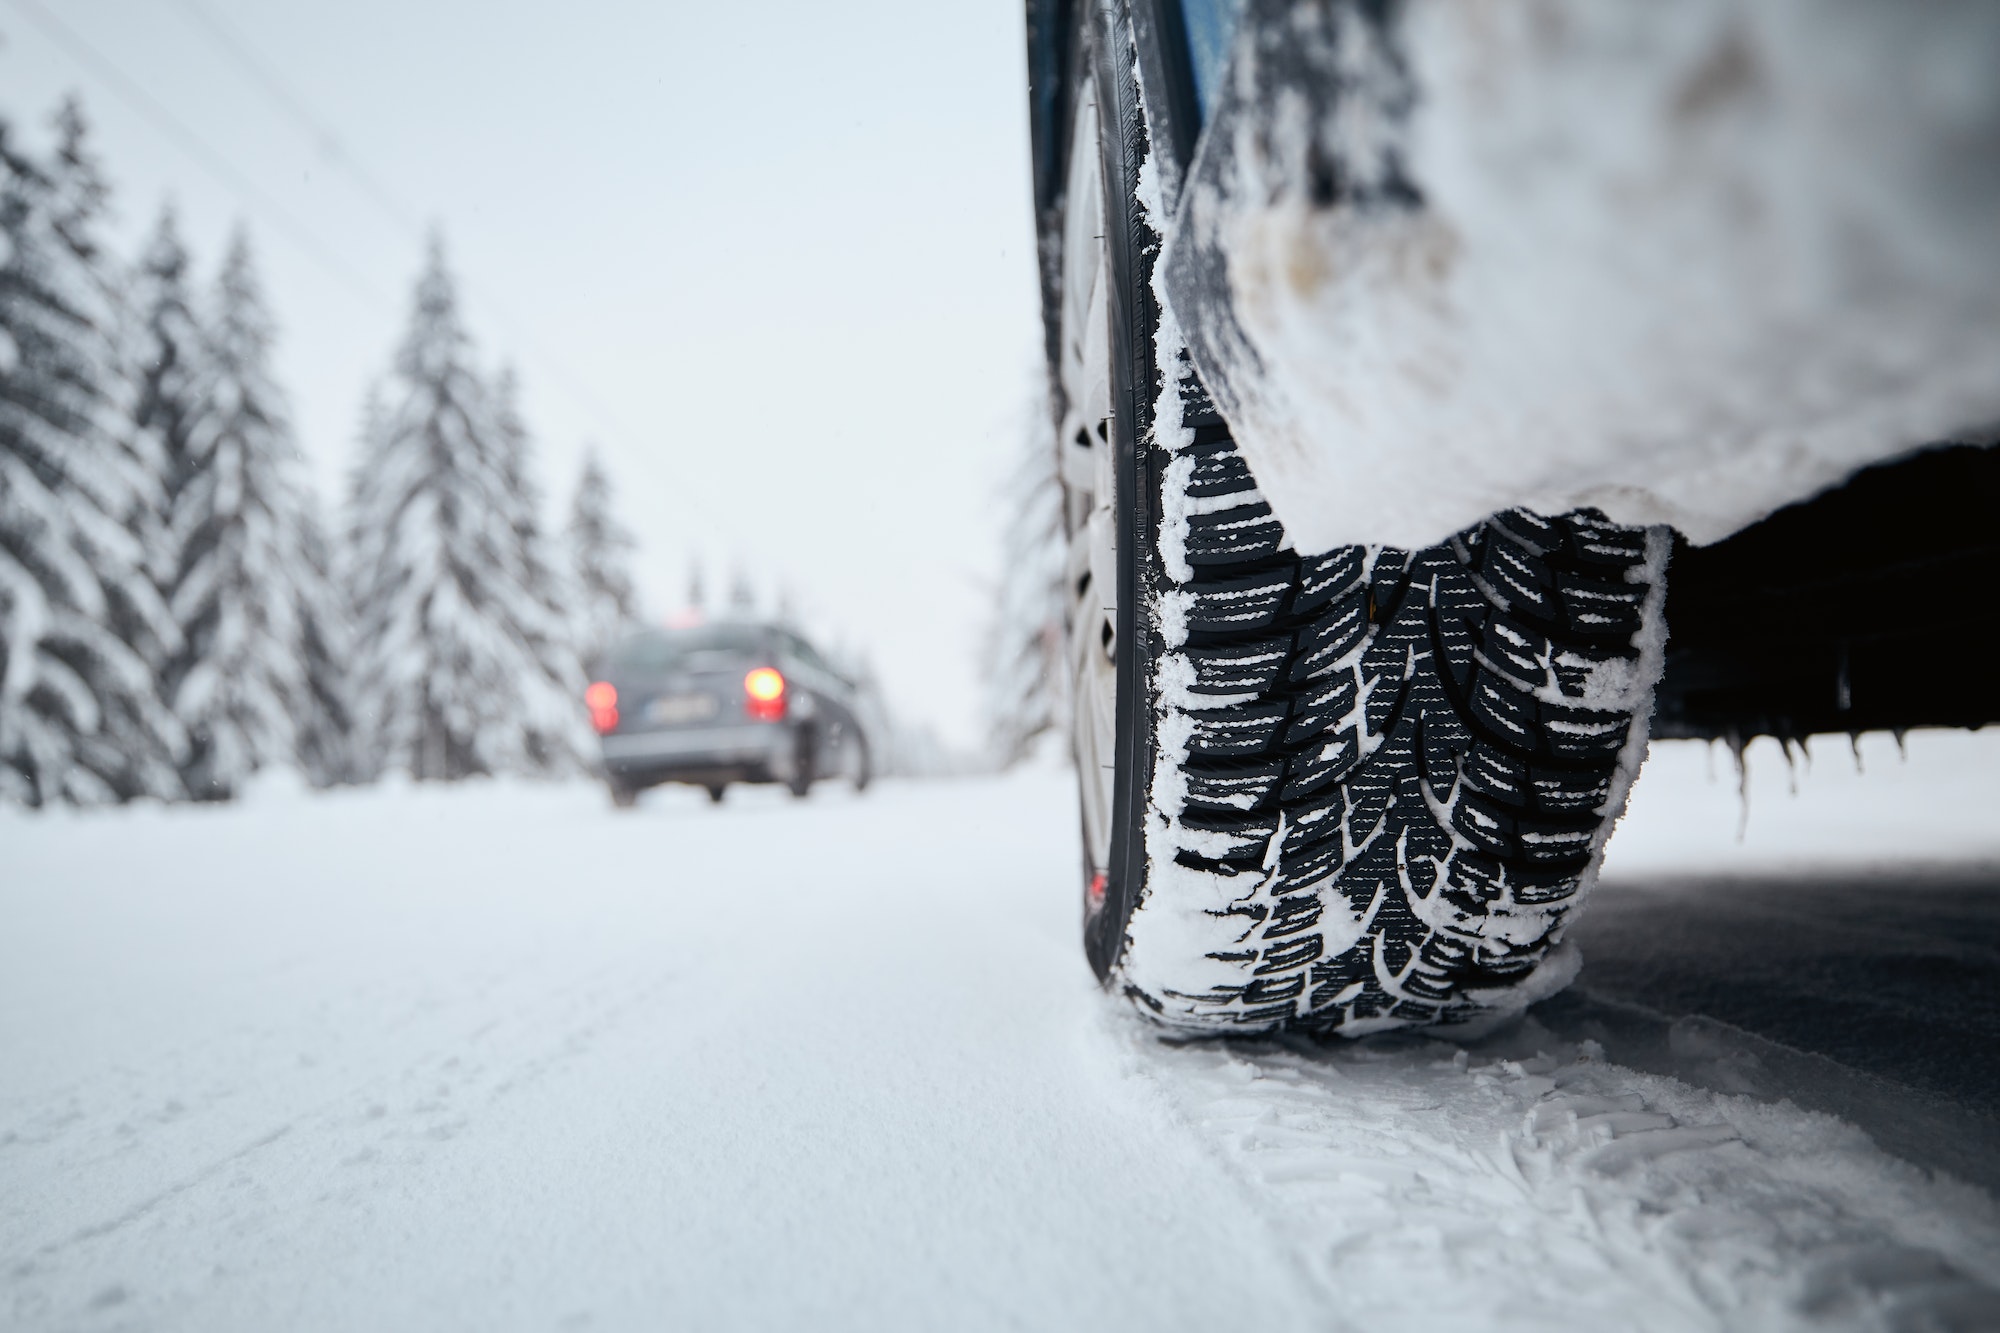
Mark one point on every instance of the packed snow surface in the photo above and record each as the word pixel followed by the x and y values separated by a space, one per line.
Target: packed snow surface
pixel 495 1056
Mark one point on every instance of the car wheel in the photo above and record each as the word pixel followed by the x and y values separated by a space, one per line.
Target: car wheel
pixel 1340 792
pixel 716 791
pixel 805 757
pixel 623 797
pixel 864 764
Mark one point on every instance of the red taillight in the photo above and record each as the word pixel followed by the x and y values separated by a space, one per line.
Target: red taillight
pixel 764 694
pixel 602 701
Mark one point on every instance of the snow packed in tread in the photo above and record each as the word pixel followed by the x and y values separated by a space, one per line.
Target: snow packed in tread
pixel 1400 763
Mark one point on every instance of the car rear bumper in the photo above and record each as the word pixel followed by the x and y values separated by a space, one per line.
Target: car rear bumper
pixel 748 752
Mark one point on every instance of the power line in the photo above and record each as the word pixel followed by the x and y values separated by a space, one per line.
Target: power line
pixel 138 99
pixel 281 94
pixel 287 99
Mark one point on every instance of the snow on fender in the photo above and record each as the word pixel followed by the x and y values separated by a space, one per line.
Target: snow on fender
pixel 1684 264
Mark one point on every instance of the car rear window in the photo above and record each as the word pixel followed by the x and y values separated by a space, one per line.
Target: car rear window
pixel 689 649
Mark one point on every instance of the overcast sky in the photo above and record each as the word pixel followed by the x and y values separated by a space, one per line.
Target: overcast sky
pixel 776 260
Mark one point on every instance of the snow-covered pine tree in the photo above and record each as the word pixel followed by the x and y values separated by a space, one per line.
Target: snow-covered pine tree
pixel 326 719
pixel 1026 679
pixel 236 564
pixel 742 596
pixel 457 673
pixel 80 716
pixel 600 555
pixel 168 354
pixel 553 742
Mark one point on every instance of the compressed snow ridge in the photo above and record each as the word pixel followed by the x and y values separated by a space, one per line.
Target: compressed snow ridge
pixel 1526 1183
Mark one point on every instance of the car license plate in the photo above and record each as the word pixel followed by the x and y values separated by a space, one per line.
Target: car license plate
pixel 681 708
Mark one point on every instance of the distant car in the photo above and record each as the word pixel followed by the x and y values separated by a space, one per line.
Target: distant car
pixel 723 703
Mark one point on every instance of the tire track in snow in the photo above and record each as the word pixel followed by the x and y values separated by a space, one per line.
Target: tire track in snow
pixel 1524 1182
pixel 337 1132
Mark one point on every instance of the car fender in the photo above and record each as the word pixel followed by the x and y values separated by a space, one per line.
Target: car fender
pixel 1683 263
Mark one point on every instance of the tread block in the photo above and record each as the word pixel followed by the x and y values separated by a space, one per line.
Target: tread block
pixel 1569 789
pixel 1388 576
pixel 1229 536
pixel 1337 631
pixel 1266 990
pixel 1583 733
pixel 1290 915
pixel 1238 668
pixel 1309 865
pixel 1235 606
pixel 1224 838
pixel 1197 408
pixel 1237 786
pixel 1329 704
pixel 1325 578
pixel 1536 886
pixel 1518 649
pixel 1292 954
pixel 1595 540
pixel 1219 470
pixel 1519 784
pixel 1314 820
pixel 1325 761
pixel 1555 841
pixel 1521 582
pixel 1497 774
pixel 1441 739
pixel 1601 609
pixel 1246 730
pixel 1532 533
pixel 1371 789
pixel 1485 825
pixel 1505 713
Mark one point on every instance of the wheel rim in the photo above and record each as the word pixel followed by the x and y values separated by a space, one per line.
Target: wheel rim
pixel 1089 492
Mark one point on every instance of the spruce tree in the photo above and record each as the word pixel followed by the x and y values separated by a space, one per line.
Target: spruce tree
pixel 742 596
pixel 167 349
pixel 326 718
pixel 235 533
pixel 600 555
pixel 80 716
pixel 1027 681
pixel 459 668
pixel 556 673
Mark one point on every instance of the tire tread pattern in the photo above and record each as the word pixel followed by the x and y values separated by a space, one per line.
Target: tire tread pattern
pixel 1401 765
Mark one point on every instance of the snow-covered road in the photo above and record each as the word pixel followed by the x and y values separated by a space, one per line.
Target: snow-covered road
pixel 497 1057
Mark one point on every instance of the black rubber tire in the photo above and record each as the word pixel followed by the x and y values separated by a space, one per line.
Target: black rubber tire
pixel 1381 780
pixel 1101 52
pixel 864 762
pixel 623 797
pixel 716 791
pixel 805 761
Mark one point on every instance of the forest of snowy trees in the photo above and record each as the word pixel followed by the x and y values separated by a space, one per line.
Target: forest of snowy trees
pixel 176 611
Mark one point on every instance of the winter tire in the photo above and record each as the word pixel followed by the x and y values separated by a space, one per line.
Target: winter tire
pixel 805 760
pixel 1342 792
pixel 864 764
pixel 716 792
pixel 622 796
